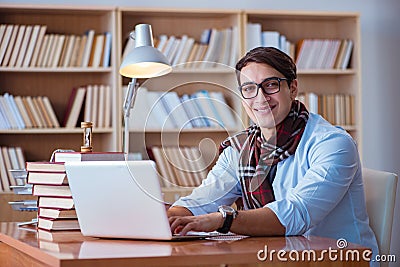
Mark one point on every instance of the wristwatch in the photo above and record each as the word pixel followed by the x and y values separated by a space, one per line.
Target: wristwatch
pixel 228 213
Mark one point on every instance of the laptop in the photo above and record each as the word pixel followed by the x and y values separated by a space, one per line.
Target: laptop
pixel 120 199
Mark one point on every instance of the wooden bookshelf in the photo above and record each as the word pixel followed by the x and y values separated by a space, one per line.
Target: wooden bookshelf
pixel 57 83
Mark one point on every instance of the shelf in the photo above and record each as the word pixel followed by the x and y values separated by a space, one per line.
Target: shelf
pixel 185 131
pixel 326 72
pixel 47 69
pixel 55 131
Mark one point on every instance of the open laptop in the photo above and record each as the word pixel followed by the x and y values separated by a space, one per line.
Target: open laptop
pixel 120 199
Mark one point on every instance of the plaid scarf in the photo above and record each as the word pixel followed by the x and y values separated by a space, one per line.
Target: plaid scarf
pixel 258 156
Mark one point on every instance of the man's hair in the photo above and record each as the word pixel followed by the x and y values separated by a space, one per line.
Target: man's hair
pixel 272 57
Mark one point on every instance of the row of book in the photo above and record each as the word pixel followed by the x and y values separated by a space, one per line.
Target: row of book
pixel 30 46
pixel 256 37
pixel 168 110
pixel 324 53
pixel 90 103
pixel 338 109
pixel 56 209
pixel 213 46
pixel 20 112
pixel 179 166
pixel 11 158
pixel 308 53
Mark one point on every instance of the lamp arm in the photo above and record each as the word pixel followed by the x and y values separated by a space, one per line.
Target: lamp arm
pixel 130 98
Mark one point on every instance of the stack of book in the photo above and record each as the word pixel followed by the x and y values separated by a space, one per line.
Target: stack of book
pixel 56 209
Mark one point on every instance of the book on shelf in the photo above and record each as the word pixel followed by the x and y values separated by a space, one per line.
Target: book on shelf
pixel 48 109
pixel 175 110
pixel 34 111
pixel 47 53
pixel 8 165
pixel 4 43
pixel 207 108
pixel 97 50
pixel 74 107
pixel 42 110
pixel 49 178
pixel 10 47
pixel 56 56
pixel 58 224
pixel 13 113
pixel 193 113
pixel 67 51
pixel 167 177
pixel 88 156
pixel 223 109
pixel 57 213
pixel 106 56
pixel 42 51
pixel 24 46
pixel 75 50
pixel 22 110
pixel 336 108
pixel 38 45
pixel 31 45
pixel 158 111
pixel 179 166
pixel 42 119
pixel 8 112
pixel 17 46
pixel 5 183
pixel 88 48
pixel 30 110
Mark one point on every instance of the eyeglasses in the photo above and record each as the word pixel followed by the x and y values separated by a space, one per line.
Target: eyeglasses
pixel 270 86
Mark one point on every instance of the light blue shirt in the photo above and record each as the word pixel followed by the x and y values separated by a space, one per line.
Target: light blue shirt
pixel 318 190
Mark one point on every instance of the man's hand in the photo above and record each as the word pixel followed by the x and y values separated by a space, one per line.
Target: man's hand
pixel 202 223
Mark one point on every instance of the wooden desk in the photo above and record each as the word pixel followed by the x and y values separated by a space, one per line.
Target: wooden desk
pixel 21 247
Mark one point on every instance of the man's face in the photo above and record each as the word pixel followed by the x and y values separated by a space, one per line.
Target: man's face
pixel 267 111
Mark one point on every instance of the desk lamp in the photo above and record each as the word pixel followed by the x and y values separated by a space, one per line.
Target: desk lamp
pixel 144 61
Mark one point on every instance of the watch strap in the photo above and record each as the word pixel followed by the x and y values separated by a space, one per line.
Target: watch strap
pixel 227 224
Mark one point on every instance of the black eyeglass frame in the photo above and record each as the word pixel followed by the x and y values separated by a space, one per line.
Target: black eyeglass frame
pixel 259 85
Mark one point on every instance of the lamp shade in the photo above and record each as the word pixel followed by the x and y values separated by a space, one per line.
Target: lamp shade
pixel 144 61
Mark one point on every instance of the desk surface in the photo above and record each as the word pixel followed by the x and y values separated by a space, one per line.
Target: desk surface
pixel 22 247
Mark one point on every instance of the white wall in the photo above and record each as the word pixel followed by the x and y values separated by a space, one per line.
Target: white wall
pixel 380 34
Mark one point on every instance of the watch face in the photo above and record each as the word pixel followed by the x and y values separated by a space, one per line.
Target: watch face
pixel 227 209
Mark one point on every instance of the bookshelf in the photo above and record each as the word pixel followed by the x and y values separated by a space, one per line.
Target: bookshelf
pixel 57 82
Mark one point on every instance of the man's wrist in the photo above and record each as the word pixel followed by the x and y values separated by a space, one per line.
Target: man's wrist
pixel 178 211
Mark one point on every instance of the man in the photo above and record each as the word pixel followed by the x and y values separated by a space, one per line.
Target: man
pixel 295 173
